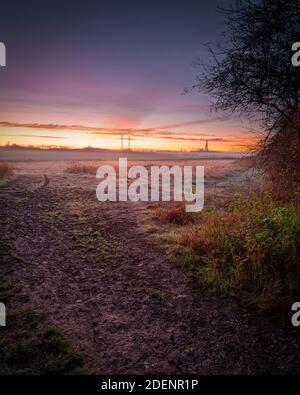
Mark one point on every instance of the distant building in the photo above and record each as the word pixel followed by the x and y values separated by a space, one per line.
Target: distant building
pixel 206 146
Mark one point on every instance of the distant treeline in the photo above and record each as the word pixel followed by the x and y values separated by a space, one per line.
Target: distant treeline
pixel 51 147
pixel 77 149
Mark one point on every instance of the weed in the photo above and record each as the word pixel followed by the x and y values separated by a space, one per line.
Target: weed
pixel 5 170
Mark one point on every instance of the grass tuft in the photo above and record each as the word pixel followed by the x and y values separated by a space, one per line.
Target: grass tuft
pixel 81 169
pixel 6 170
pixel 174 214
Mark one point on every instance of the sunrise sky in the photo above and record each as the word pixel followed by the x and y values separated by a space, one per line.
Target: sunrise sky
pixel 83 75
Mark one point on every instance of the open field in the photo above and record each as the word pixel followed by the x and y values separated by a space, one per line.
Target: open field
pixel 25 154
pixel 96 272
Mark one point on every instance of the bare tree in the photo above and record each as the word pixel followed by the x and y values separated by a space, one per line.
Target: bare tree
pixel 250 70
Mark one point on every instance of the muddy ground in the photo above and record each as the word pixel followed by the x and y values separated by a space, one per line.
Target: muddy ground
pixel 92 270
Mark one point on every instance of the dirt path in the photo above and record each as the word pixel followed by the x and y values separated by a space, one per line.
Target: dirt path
pixel 91 271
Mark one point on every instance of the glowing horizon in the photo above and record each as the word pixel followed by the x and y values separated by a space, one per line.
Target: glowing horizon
pixel 105 67
pixel 151 138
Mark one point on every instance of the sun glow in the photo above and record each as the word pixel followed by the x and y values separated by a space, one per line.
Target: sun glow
pixel 107 139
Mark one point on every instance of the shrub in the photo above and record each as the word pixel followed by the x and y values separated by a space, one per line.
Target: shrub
pixel 252 248
pixel 5 170
pixel 280 160
pixel 174 214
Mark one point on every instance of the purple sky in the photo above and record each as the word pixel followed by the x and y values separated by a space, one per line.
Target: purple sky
pixel 107 64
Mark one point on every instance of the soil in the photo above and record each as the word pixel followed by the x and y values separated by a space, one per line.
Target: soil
pixel 89 268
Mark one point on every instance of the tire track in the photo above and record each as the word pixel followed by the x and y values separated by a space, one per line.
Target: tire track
pixel 130 311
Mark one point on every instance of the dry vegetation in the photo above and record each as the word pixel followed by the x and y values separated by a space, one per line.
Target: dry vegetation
pixel 250 248
pixel 77 168
pixel 173 214
pixel 280 161
pixel 5 170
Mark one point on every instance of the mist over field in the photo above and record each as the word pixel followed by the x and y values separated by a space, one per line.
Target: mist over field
pixel 19 154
